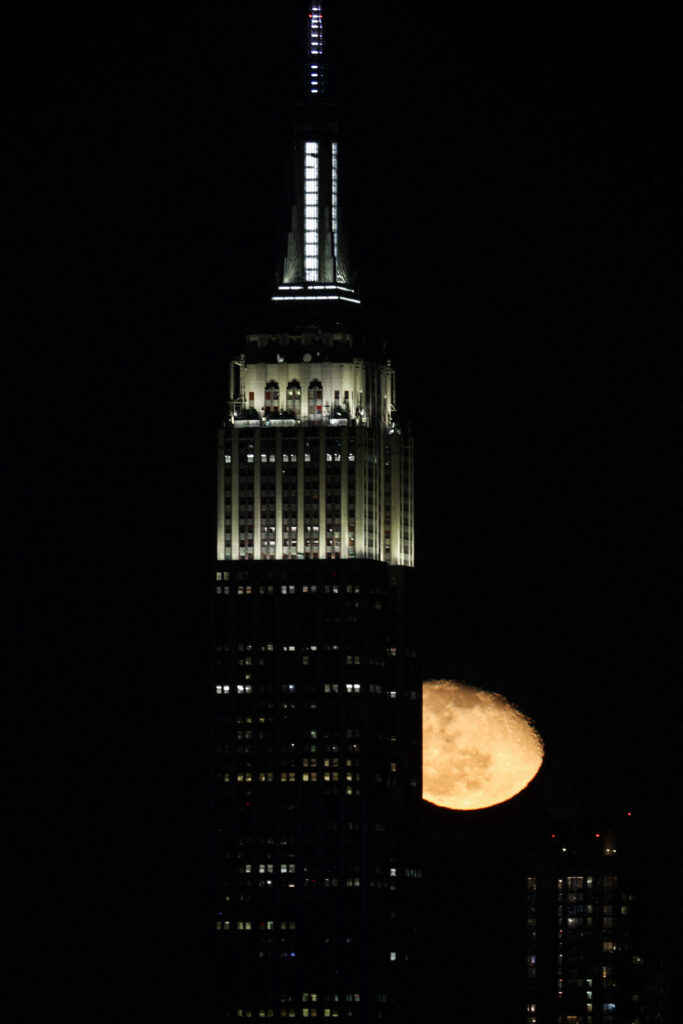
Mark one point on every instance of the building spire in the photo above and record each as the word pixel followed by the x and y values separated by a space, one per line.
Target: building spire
pixel 315 56
pixel 315 267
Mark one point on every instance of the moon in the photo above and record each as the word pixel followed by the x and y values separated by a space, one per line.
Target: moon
pixel 477 749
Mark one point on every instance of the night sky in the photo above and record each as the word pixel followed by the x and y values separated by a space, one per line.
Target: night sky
pixel 507 189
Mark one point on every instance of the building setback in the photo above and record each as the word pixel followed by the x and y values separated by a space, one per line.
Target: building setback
pixel 317 703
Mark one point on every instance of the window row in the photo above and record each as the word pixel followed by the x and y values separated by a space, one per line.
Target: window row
pixel 248 777
pixel 351 688
pixel 306 588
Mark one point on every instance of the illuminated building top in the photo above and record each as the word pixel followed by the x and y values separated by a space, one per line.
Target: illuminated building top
pixel 313 462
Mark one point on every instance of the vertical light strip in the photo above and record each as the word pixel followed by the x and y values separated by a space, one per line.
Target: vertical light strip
pixel 315 46
pixel 221 510
pixel 256 478
pixel 344 512
pixel 397 485
pixel 300 494
pixel 311 198
pixel 278 494
pixel 335 190
pixel 322 492
pixel 235 488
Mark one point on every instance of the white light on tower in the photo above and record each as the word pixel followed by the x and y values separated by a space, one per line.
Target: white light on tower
pixel 315 44
pixel 335 185
pixel 311 257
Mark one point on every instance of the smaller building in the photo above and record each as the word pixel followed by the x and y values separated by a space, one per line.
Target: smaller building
pixel 585 947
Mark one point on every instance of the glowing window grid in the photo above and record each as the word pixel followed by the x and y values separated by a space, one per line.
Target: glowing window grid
pixel 311 253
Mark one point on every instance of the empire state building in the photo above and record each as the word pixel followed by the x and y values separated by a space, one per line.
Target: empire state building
pixel 317 704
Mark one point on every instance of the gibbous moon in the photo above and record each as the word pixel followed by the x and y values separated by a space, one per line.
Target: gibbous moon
pixel 477 749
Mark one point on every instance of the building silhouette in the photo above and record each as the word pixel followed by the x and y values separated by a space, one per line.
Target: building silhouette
pixel 589 957
pixel 317 704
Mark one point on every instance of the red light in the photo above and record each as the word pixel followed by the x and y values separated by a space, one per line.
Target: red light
pixel 628 814
pixel 597 835
pixel 553 836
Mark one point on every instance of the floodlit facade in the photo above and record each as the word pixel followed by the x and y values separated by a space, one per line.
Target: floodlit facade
pixel 313 463
pixel 317 703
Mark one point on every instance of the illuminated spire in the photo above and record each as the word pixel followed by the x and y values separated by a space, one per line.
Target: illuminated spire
pixel 316 70
pixel 315 267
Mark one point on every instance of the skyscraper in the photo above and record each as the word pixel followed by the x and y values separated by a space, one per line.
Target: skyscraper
pixel 317 708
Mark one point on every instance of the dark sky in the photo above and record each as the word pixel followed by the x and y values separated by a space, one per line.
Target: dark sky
pixel 507 187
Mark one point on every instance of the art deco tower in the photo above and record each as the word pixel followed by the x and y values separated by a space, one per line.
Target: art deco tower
pixel 317 708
